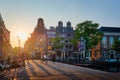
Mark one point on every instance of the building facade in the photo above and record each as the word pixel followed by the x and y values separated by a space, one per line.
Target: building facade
pixel 36 44
pixel 5 47
pixel 51 33
pixel 65 32
pixel 104 50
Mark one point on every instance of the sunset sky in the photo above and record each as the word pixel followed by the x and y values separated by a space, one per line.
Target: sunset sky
pixel 20 16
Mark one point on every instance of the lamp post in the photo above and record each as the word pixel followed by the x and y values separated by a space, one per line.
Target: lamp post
pixel 40 48
pixel 18 44
pixel 0 43
pixel 21 56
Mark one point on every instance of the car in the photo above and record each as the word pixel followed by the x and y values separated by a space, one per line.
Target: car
pixel 4 66
pixel 1 67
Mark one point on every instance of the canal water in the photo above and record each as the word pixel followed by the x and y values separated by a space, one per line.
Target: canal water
pixel 112 69
pixel 106 68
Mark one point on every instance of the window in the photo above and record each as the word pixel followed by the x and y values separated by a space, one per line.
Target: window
pixel 48 36
pixel 68 35
pixel 119 38
pixel 66 41
pixel 104 42
pixel 90 53
pixel 66 46
pixel 70 46
pixel 53 36
pixel 111 42
pixel 95 54
pixel 63 30
pixel 61 35
pixel 104 54
pixel 119 54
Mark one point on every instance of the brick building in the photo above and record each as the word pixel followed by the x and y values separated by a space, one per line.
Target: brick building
pixel 36 44
pixel 104 50
pixel 5 46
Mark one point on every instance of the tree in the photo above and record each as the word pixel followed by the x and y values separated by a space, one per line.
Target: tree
pixel 90 33
pixel 57 43
pixel 74 42
pixel 15 51
pixel 116 47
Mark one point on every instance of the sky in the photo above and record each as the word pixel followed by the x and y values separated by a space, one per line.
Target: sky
pixel 20 16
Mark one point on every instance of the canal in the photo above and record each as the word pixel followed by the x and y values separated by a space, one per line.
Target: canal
pixel 105 68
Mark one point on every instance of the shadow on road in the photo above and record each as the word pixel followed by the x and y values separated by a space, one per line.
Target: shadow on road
pixel 58 69
pixel 32 69
pixel 70 75
pixel 21 74
pixel 43 68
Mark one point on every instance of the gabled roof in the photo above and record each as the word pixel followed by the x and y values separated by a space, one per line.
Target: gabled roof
pixel 109 29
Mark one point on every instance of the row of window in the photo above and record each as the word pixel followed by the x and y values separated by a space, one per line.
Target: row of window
pixel 105 42
pixel 105 54
pixel 65 35
pixel 51 33
pixel 51 36
pixel 65 30
pixel 111 54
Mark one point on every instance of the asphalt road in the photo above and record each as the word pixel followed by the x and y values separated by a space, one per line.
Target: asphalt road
pixel 35 70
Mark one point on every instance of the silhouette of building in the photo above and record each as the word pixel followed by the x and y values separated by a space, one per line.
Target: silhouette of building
pixel 5 46
pixel 40 40
pixel 36 44
pixel 65 32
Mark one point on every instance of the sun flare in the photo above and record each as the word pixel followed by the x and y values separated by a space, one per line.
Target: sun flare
pixel 22 36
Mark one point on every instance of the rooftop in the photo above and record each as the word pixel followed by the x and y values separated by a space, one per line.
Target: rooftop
pixel 109 29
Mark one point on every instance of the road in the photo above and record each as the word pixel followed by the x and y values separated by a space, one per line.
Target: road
pixel 35 70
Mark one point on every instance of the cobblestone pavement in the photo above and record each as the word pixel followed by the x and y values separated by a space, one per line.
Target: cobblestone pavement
pixel 35 70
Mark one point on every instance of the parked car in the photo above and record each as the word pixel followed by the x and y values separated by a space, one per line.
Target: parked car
pixel 1 67
pixel 4 66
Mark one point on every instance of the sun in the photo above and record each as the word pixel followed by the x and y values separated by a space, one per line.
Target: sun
pixel 22 37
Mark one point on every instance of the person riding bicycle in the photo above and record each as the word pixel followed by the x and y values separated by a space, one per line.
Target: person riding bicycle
pixel 44 58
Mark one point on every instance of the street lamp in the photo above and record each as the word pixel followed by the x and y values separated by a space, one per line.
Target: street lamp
pixel 39 47
pixel 18 44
